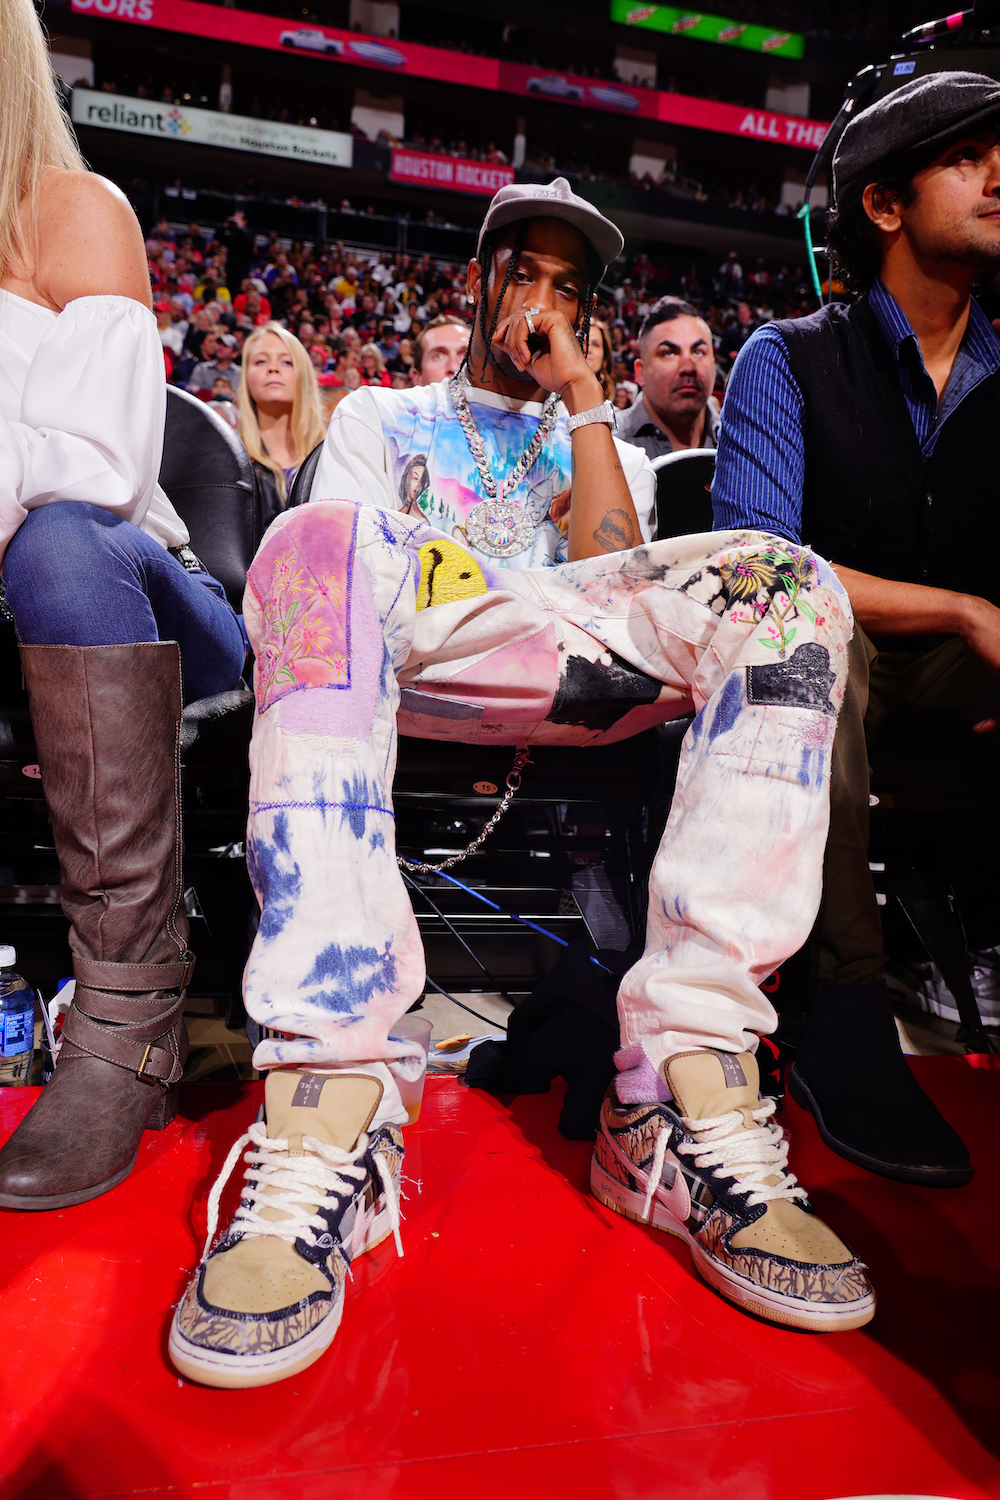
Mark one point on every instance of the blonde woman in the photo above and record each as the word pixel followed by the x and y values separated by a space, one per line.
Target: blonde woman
pixel 373 370
pixel 107 618
pixel 281 419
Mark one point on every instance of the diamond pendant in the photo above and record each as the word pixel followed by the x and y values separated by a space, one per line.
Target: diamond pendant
pixel 499 528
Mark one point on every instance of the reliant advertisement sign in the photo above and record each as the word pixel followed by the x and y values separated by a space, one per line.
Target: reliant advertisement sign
pixel 207 127
pixel 431 170
pixel 705 28
pixel 195 18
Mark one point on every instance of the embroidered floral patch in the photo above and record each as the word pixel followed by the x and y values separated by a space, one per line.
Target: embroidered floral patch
pixel 774 584
pixel 306 641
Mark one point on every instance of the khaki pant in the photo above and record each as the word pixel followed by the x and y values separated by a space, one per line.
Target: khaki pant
pixel 890 695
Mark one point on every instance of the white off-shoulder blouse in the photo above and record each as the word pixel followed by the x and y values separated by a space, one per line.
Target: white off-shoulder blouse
pixel 82 405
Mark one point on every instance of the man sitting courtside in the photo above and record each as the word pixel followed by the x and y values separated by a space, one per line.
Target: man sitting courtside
pixel 474 565
pixel 676 369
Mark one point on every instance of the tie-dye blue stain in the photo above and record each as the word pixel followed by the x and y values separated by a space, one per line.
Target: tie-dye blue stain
pixel 275 877
pixel 674 912
pixel 386 674
pixel 358 800
pixel 731 701
pixel 357 972
pixel 806 766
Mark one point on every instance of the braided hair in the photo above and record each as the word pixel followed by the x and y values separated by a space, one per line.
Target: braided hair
pixel 487 251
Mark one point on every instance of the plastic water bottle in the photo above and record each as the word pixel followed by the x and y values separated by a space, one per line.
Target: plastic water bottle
pixel 17 1020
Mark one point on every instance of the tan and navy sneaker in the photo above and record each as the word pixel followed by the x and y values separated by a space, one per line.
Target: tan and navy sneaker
pixel 321 1186
pixel 711 1167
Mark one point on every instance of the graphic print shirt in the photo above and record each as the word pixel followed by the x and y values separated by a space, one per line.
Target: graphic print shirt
pixel 407 451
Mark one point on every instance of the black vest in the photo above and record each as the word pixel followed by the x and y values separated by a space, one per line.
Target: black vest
pixel 870 500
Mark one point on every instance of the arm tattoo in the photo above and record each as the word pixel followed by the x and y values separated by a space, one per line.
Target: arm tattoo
pixel 616 532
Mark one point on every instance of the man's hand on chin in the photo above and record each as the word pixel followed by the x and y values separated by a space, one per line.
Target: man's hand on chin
pixel 543 345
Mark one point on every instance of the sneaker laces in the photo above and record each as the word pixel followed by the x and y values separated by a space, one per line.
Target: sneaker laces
pixel 289 1183
pixel 749 1155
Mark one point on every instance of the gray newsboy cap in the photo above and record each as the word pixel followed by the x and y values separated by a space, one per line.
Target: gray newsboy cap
pixel 921 113
pixel 556 200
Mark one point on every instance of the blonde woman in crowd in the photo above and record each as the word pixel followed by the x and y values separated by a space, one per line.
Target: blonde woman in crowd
pixel 373 370
pixel 109 620
pixel 281 419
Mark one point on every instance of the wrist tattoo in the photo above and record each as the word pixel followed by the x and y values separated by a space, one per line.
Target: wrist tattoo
pixel 616 532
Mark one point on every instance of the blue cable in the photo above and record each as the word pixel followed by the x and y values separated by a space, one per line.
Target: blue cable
pixel 523 920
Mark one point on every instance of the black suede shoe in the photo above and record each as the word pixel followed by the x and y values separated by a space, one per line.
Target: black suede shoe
pixel 852 1075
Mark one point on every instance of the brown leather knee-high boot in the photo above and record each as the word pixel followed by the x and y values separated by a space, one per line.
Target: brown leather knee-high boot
pixel 107 728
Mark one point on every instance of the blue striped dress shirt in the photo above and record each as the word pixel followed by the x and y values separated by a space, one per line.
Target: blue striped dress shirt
pixel 761 464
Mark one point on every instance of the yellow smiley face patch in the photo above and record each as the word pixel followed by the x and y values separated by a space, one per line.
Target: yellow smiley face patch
pixel 447 573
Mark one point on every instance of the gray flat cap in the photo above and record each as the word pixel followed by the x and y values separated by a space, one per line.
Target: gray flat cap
pixel 921 113
pixel 556 200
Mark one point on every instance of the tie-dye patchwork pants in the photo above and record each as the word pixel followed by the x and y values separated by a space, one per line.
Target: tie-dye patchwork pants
pixel 364 621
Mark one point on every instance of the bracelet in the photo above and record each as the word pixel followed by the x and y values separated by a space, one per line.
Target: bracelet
pixel 604 413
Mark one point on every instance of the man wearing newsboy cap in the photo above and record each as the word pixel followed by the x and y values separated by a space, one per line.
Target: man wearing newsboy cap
pixel 866 431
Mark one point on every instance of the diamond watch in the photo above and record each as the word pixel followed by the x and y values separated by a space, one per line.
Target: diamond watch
pixel 604 413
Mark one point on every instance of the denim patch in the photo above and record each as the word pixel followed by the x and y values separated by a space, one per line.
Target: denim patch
pixel 803 681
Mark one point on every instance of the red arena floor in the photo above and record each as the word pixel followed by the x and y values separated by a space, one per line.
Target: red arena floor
pixel 529 1344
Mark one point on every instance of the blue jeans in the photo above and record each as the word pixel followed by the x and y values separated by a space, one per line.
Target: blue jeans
pixel 77 575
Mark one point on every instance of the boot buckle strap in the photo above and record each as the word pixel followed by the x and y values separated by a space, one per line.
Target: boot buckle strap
pixel 83 1035
pixel 126 978
pixel 140 1071
pixel 140 1016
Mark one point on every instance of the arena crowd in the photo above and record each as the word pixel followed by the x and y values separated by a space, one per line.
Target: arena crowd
pixel 367 318
pixel 494 561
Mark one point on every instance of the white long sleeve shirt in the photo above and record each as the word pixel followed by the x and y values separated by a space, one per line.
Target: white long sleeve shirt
pixel 82 405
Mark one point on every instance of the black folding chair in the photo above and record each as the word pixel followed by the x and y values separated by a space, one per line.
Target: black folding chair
pixel 684 492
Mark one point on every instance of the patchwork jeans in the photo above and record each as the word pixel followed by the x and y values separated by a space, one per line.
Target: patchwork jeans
pixel 364 621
